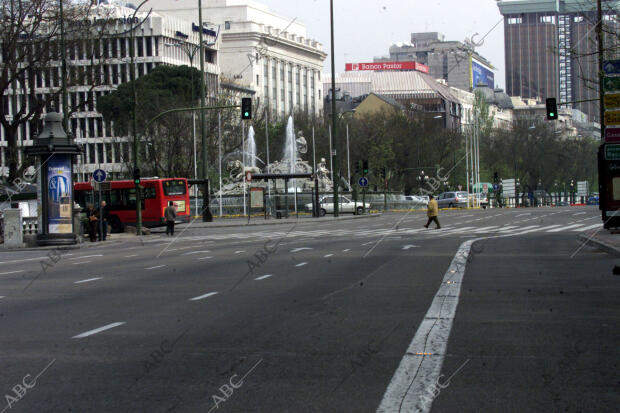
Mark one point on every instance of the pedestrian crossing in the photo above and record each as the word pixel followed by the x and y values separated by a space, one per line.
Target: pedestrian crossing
pixel 446 231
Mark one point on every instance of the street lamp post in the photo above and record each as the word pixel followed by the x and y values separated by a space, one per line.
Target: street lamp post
pixel 206 213
pixel 572 184
pixel 334 142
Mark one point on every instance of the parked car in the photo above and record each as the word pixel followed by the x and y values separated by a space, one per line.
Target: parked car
pixel 345 206
pixel 484 200
pixel 456 199
pixel 417 199
pixel 563 203
pixel 593 200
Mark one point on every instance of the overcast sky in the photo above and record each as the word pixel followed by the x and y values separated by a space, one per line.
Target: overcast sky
pixel 366 28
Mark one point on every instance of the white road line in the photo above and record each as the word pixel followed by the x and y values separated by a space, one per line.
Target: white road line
pixel 263 277
pixel 2 296
pixel 565 228
pixel 347 250
pixel 24 259
pixel 204 258
pixel 588 228
pixel 195 252
pixel 129 256
pixel 155 267
pixel 301 264
pixel 239 252
pixel 420 367
pixel 327 255
pixel 78 263
pixel 86 256
pixel 300 249
pixel 11 272
pixel 88 280
pixel 99 330
pixel 580 213
pixel 200 297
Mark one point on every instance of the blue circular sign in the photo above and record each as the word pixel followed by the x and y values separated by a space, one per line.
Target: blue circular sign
pixel 495 187
pixel 99 175
pixel 363 182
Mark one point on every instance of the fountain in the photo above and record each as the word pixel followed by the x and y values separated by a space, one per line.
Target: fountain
pixel 251 148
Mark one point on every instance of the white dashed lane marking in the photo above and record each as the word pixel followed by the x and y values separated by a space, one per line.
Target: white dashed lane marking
pixel 263 277
pixel 200 297
pixel 155 267
pixel 88 280
pixel 99 330
pixel 301 264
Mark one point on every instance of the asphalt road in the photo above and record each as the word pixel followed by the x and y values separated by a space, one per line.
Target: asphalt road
pixel 364 315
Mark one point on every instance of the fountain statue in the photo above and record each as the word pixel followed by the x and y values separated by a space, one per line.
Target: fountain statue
pixel 295 145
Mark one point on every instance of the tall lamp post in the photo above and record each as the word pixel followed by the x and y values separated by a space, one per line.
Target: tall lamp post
pixel 572 184
pixel 190 50
pixel 421 181
pixel 206 213
pixel 334 145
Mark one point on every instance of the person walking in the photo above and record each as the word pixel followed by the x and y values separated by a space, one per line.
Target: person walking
pixel 105 215
pixel 432 212
pixel 170 214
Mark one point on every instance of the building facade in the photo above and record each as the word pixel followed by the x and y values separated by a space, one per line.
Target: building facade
pixel 154 44
pixel 551 49
pixel 263 51
pixel 453 61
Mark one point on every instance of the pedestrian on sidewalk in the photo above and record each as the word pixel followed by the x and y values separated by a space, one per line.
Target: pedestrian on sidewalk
pixel 432 212
pixel 93 220
pixel 105 215
pixel 170 214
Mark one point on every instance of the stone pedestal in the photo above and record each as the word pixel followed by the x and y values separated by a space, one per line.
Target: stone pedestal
pixel 13 230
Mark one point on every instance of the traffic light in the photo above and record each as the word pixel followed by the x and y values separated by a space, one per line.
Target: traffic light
pixel 357 168
pixel 246 108
pixel 365 168
pixel 136 176
pixel 552 109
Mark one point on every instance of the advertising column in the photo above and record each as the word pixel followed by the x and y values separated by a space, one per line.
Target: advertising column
pixel 59 187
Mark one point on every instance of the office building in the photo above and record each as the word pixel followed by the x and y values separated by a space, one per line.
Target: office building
pixel 455 62
pixel 261 51
pixel 551 49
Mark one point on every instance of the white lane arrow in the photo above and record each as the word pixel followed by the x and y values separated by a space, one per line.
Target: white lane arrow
pixel 406 247
pixel 300 249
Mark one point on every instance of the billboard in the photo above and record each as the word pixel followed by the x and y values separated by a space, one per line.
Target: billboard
pixel 60 196
pixel 354 67
pixel 481 74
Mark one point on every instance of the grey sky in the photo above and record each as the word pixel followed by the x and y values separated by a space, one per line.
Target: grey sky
pixel 367 28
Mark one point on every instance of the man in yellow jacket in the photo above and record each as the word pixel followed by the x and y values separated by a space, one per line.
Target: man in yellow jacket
pixel 433 211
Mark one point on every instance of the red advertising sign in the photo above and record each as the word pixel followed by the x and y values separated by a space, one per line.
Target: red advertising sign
pixel 612 134
pixel 354 67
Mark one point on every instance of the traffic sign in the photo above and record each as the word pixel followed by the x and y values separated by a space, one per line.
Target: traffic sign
pixel 363 182
pixel 612 117
pixel 611 84
pixel 612 152
pixel 612 100
pixel 99 175
pixel 495 187
pixel 612 134
pixel 611 67
pixel 248 176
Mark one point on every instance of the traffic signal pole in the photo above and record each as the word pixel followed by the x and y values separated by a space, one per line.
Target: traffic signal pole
pixel 334 136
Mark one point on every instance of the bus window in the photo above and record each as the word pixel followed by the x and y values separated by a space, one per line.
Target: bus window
pixel 174 187
pixel 149 193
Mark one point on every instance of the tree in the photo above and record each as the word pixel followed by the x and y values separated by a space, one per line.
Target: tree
pixel 30 61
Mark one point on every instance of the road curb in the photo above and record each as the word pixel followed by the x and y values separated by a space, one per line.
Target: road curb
pixel 598 244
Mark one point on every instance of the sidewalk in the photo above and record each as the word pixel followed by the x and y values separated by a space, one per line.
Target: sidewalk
pixel 603 240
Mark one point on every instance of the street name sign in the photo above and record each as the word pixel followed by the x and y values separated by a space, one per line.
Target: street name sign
pixel 363 182
pixel 611 67
pixel 612 100
pixel 612 152
pixel 612 117
pixel 508 187
pixel 612 134
pixel 611 84
pixel 99 175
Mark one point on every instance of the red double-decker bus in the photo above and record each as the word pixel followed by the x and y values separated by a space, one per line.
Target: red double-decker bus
pixel 121 200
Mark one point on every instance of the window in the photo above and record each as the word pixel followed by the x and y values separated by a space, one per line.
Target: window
pixel 547 19
pixel 515 20
pixel 578 19
pixel 257 80
pixel 227 25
